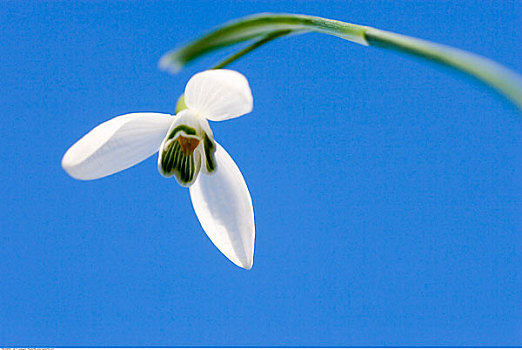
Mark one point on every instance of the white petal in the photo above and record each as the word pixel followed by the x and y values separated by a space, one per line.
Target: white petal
pixel 219 94
pixel 116 145
pixel 224 208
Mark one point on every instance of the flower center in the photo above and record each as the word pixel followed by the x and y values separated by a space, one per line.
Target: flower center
pixel 179 157
pixel 188 144
pixel 188 148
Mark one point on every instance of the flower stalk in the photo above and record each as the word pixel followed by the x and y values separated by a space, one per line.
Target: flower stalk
pixel 267 26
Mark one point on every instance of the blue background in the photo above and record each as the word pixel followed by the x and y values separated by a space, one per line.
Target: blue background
pixel 387 191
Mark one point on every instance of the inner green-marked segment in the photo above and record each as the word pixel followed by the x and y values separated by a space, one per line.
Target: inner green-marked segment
pixel 175 162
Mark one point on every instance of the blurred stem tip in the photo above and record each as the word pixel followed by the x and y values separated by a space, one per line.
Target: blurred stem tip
pixel 262 28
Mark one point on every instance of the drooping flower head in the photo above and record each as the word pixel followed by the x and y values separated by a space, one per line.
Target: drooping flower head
pixel 188 152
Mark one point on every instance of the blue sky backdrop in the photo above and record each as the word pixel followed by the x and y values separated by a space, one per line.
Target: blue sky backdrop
pixel 387 192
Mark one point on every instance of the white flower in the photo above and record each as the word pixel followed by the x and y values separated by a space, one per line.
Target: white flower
pixel 188 152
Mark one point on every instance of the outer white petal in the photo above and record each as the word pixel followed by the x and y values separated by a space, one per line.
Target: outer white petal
pixel 116 145
pixel 219 94
pixel 224 208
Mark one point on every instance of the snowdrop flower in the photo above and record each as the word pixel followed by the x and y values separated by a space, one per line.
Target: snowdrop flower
pixel 188 152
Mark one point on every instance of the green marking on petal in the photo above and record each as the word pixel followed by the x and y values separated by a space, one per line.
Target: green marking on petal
pixel 210 149
pixel 176 160
pixel 185 173
pixel 187 129
pixel 167 159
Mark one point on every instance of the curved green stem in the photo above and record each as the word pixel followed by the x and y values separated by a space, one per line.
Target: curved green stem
pixel 502 79
pixel 250 48
pixel 258 26
pixel 262 26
